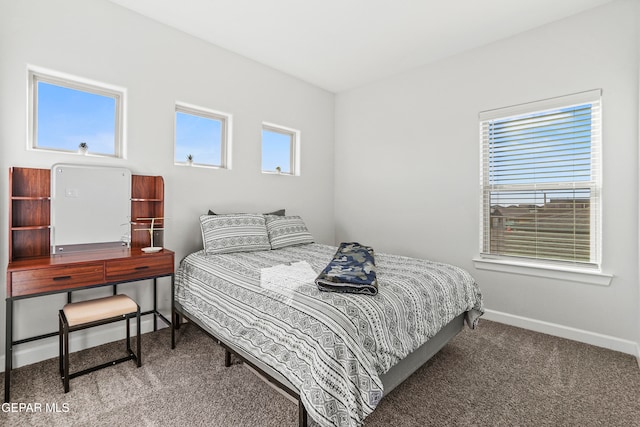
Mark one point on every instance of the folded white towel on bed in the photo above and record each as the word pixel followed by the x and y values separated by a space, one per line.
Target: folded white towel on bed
pixel 286 278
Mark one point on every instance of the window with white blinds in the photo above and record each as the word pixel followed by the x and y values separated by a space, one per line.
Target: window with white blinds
pixel 541 180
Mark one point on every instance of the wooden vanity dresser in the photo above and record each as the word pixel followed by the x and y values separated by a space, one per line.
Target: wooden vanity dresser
pixel 33 271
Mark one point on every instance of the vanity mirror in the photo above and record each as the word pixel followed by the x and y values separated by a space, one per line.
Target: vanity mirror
pixel 90 207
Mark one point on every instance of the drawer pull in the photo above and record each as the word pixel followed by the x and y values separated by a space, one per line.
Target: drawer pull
pixel 62 278
pixel 142 267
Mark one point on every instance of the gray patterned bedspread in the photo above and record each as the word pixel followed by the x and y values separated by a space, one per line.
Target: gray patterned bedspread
pixel 331 346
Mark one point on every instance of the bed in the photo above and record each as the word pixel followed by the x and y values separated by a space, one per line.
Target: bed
pixel 337 353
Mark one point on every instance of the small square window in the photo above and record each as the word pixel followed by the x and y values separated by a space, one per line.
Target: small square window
pixel 280 150
pixel 74 115
pixel 201 137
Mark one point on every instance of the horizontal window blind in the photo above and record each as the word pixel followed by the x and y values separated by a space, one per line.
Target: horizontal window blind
pixel 541 181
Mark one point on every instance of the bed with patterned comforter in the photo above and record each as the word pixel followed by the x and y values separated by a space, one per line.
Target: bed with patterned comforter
pixel 331 346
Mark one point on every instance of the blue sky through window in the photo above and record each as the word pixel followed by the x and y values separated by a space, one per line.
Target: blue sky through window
pixel 199 136
pixel 276 151
pixel 538 149
pixel 66 117
pixel 550 146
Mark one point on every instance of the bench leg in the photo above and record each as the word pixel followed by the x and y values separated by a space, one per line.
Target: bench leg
pixel 60 353
pixel 128 337
pixel 66 357
pixel 138 339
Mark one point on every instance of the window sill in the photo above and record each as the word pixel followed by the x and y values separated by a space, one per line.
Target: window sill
pixel 277 173
pixel 581 275
pixel 75 153
pixel 199 165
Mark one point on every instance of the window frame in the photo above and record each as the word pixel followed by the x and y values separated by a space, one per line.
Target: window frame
pixel 68 81
pixel 294 150
pixel 589 272
pixel 225 133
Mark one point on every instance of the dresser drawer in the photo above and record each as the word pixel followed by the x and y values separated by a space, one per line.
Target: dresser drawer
pixel 36 281
pixel 139 267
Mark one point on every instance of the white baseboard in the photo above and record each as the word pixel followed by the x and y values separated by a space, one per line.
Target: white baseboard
pixel 37 351
pixel 29 353
pixel 593 338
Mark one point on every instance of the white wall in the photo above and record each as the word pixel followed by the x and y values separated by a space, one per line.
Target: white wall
pixel 99 40
pixel 406 149
pixel 407 165
pixel 638 201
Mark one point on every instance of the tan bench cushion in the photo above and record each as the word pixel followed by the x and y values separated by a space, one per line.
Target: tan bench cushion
pixel 81 312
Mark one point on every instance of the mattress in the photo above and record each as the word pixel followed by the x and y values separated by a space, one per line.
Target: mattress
pixel 332 347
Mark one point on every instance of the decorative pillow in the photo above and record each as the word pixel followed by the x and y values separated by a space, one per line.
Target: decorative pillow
pixel 287 231
pixel 234 233
pixel 279 212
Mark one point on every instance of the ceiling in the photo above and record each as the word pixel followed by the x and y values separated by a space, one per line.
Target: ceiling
pixel 342 44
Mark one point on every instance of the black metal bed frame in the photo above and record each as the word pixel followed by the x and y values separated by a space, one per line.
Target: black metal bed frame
pixel 178 312
pixel 434 344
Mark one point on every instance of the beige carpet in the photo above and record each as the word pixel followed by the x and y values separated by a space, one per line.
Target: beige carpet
pixel 496 375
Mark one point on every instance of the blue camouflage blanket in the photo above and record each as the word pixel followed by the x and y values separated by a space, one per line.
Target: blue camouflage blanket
pixel 352 269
